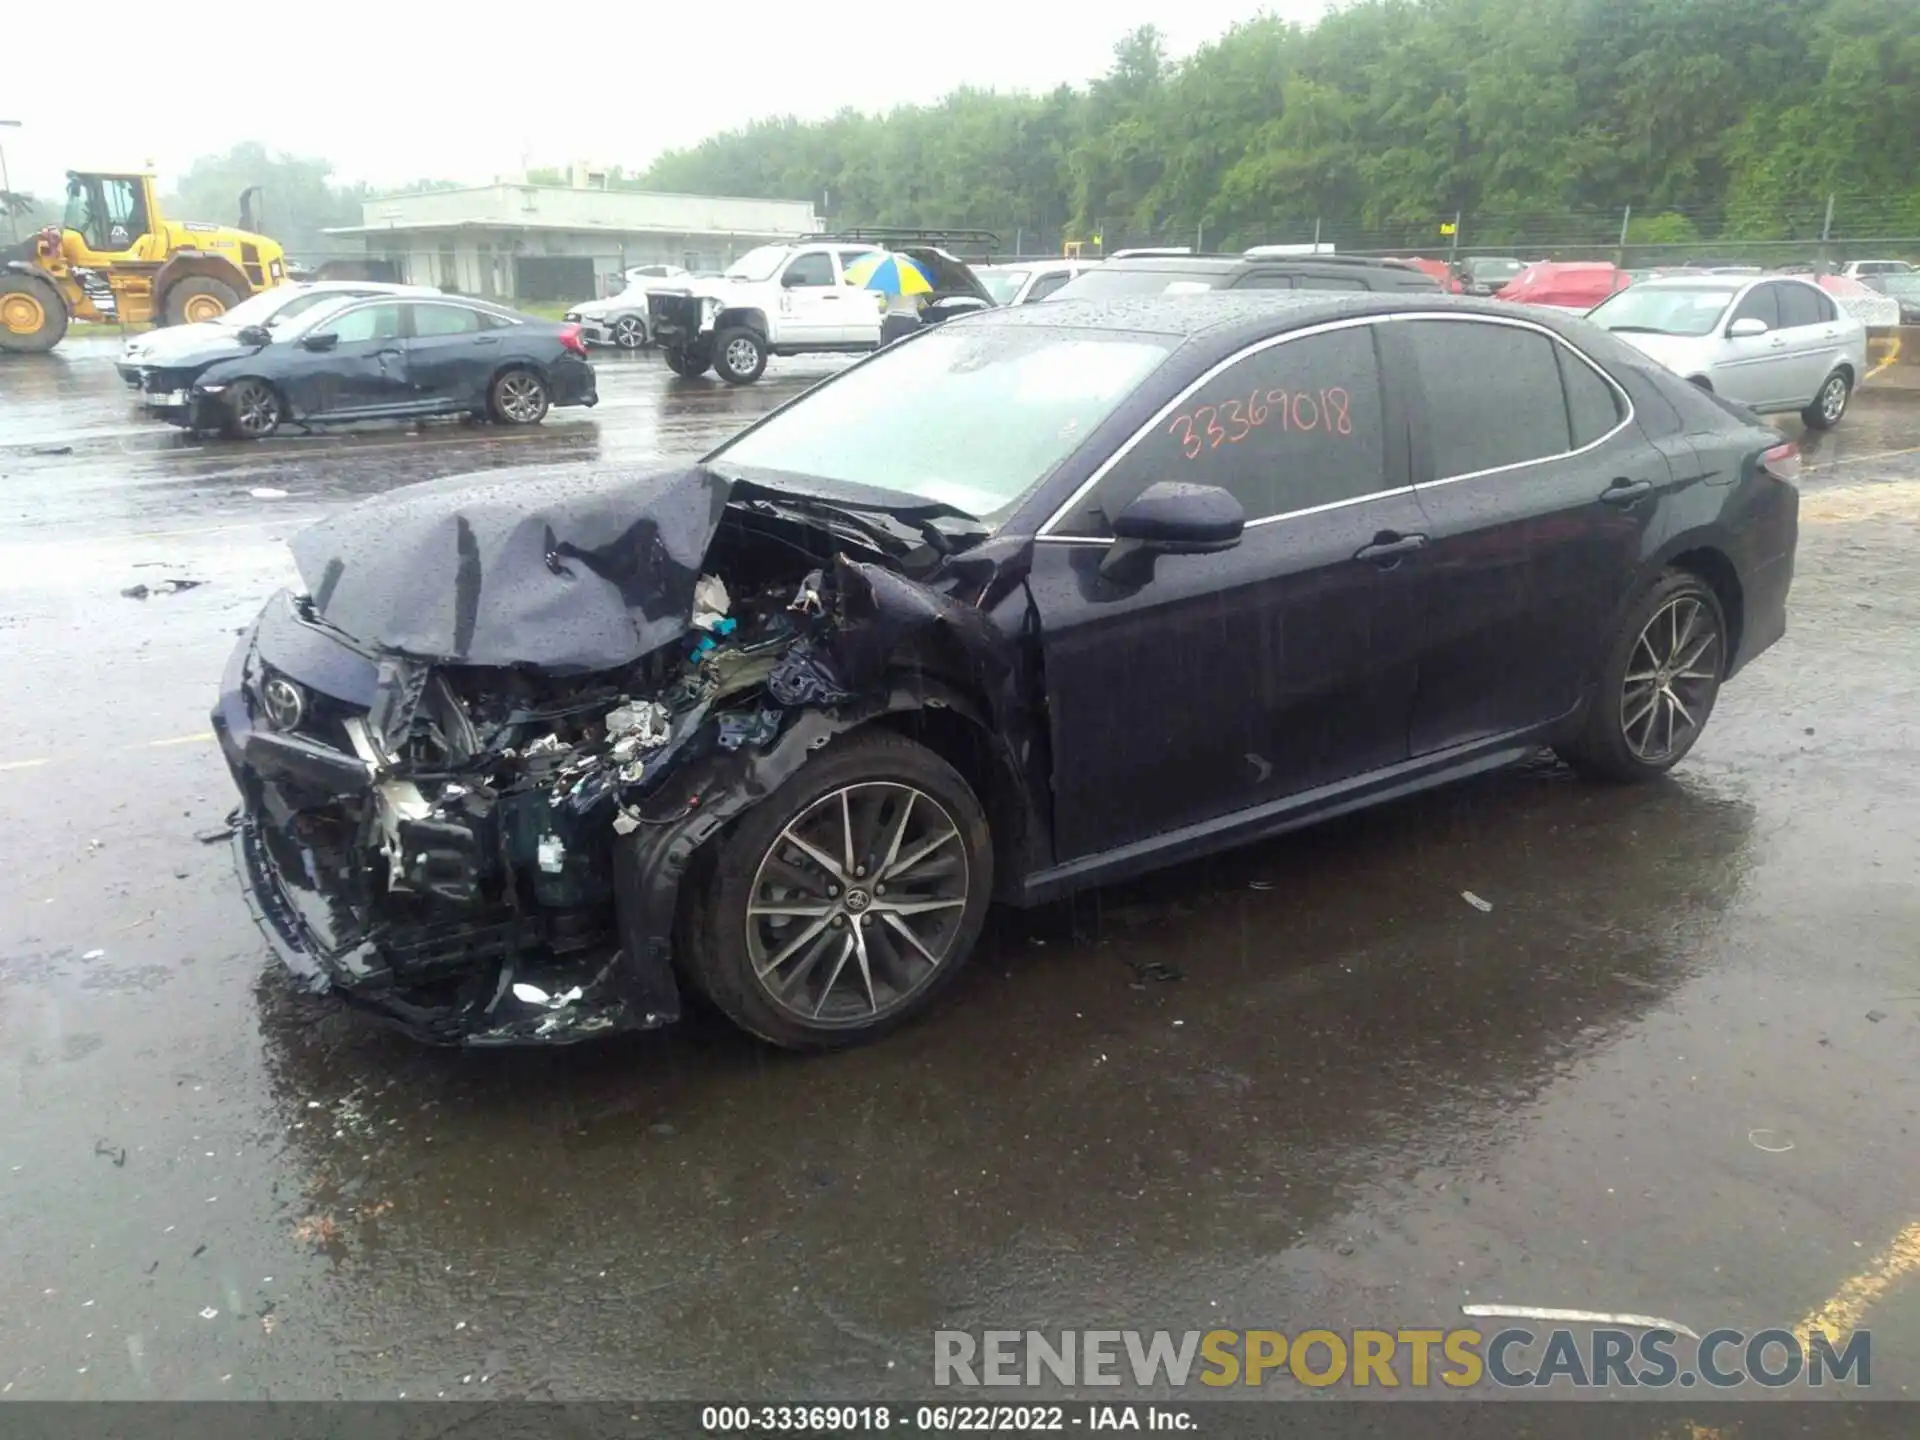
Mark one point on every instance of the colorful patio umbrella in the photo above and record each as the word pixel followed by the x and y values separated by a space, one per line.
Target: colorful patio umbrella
pixel 890 274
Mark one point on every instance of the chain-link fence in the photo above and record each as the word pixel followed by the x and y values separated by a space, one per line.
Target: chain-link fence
pixel 1828 229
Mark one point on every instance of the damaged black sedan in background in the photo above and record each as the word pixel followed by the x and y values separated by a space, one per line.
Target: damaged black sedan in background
pixel 1032 601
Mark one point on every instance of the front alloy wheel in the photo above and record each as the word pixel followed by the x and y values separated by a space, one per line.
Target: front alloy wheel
pixel 630 332
pixel 253 410
pixel 857 903
pixel 1830 404
pixel 844 903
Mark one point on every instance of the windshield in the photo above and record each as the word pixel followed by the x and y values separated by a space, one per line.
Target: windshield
pixel 1495 269
pixel 314 312
pixel 1906 286
pixel 758 263
pixel 274 308
pixel 1664 309
pixel 1122 280
pixel 1013 402
pixel 1003 285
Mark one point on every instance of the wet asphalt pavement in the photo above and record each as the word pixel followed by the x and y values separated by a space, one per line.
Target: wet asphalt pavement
pixel 1671 1071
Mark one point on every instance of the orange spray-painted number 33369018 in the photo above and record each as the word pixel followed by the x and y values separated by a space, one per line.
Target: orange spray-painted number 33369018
pixel 1207 427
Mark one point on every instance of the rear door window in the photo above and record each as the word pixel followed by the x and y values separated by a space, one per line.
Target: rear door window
pixel 1330 282
pixel 433 320
pixel 1293 427
pixel 369 322
pixel 1593 406
pixel 1760 303
pixel 1799 305
pixel 1493 395
pixel 1265 280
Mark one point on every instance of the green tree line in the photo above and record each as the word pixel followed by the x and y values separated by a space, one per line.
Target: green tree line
pixel 1731 118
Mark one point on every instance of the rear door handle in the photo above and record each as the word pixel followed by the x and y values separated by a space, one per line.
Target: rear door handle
pixel 1387 548
pixel 1625 492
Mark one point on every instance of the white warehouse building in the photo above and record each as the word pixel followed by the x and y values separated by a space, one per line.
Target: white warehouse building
pixel 512 241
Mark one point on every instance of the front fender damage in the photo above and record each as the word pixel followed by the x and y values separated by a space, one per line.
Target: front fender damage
pixel 510 870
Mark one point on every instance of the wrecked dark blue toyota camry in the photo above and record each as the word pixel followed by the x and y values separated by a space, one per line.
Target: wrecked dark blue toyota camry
pixel 1036 600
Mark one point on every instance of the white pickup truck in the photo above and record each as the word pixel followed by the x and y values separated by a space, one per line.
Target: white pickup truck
pixel 789 300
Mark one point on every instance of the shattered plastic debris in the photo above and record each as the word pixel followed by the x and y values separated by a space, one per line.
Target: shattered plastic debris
pixel 93 955
pixel 806 599
pixel 552 854
pixel 1483 906
pixel 267 492
pixel 209 1313
pixel 215 835
pixel 647 722
pixel 710 603
pixel 1771 1141
pixel 534 995
pixel 748 727
pixel 165 587
pixel 805 677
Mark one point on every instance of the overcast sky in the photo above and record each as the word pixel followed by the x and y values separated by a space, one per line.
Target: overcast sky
pixel 467 92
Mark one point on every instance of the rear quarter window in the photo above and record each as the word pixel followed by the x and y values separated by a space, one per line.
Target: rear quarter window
pixel 1493 394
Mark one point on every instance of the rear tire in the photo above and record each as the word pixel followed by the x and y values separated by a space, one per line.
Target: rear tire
pixel 254 410
pixel 33 317
pixel 517 397
pixel 739 355
pixel 1830 404
pixel 1658 685
pixel 197 299
pixel 763 895
pixel 687 364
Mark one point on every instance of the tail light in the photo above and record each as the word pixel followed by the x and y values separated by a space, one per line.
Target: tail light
pixel 570 337
pixel 1783 462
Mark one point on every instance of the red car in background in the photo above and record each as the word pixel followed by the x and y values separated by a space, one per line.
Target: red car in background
pixel 1566 284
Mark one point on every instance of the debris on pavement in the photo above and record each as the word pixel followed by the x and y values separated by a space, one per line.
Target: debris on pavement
pixel 115 1153
pixel 51 450
pixel 1874 1017
pixel 267 492
pixel 1155 972
pixel 94 955
pixel 1577 1317
pixel 1483 906
pixel 1769 1141
pixel 209 1313
pixel 164 587
pixel 215 835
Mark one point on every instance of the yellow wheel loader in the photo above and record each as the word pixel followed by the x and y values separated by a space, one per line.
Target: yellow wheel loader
pixel 115 258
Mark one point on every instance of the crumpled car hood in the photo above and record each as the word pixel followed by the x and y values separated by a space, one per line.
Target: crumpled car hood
pixel 570 571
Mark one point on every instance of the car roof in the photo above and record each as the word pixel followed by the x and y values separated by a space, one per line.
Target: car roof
pixel 1235 317
pixel 1703 280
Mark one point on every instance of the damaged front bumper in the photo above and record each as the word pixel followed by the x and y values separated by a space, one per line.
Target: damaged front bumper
pixel 434 956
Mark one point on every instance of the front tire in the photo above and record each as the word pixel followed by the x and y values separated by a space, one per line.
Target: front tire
pixel 687 364
pixel 1658 685
pixel 630 332
pixel 739 355
pixel 845 903
pixel 1830 404
pixel 197 299
pixel 517 397
pixel 254 410
pixel 33 317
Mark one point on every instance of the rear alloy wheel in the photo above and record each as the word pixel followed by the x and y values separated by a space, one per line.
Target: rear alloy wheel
pixel 739 355
pixel 630 332
pixel 253 410
pixel 1830 404
pixel 847 900
pixel 32 315
pixel 197 299
pixel 1659 685
pixel 518 397
pixel 688 364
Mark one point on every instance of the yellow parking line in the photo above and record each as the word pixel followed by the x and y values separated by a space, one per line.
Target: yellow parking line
pixel 179 740
pixel 200 737
pixel 22 764
pixel 1893 354
pixel 1840 460
pixel 1843 1313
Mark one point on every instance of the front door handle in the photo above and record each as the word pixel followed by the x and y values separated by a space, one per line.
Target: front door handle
pixel 1388 547
pixel 1626 492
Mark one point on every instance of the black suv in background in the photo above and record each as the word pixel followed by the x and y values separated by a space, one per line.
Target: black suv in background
pixel 1158 274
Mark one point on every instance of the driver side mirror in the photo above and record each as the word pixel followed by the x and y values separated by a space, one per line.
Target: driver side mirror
pixel 791 281
pixel 254 335
pixel 325 340
pixel 1171 517
pixel 1747 328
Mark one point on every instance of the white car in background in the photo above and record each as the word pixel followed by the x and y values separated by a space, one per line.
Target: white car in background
pixel 270 309
pixel 1774 343
pixel 622 319
pixel 1861 269
pixel 1021 282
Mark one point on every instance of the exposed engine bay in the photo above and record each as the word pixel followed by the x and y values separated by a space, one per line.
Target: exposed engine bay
pixel 481 852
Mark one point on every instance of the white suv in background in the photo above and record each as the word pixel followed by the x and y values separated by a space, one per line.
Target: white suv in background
pixel 1022 282
pixel 794 300
pixel 1776 343
pixel 1861 269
